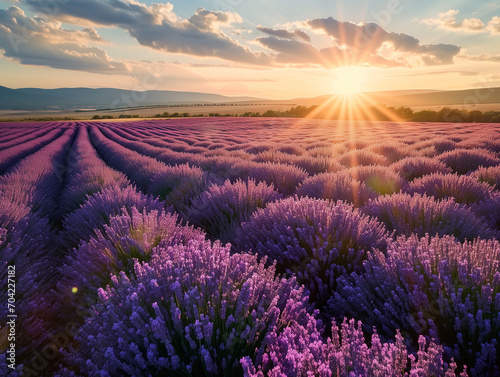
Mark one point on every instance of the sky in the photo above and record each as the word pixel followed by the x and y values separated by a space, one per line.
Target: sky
pixel 276 49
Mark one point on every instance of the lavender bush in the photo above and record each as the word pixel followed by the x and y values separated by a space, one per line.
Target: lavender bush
pixel 178 185
pixel 130 235
pixel 392 151
pixel 420 214
pixel 463 161
pixel 336 187
pixel 435 146
pixel 80 225
pixel 314 240
pixel 464 189
pixel 317 165
pixel 192 310
pixel 361 158
pixel 285 178
pixel 434 287
pixel 489 210
pixel 301 352
pixel 221 209
pixel 411 168
pixel 489 175
pixel 380 179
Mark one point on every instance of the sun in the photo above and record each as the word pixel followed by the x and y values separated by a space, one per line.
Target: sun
pixel 348 80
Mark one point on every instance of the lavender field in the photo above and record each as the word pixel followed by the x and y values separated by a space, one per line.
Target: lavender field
pixel 255 247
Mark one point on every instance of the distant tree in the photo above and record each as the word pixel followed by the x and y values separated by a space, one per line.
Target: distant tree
pixel 447 114
pixel 404 112
pixel 475 116
pixel 270 113
pixel 425 116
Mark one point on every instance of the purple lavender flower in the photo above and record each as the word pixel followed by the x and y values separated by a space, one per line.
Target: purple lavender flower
pixel 221 209
pixel 86 174
pixel 314 240
pixel 435 287
pixel 27 247
pixel 462 161
pixel 393 151
pixel 130 235
pixel 489 175
pixel 167 318
pixel 335 187
pixel 300 351
pixel 420 214
pixel 362 157
pixel 81 224
pixel 489 210
pixel 178 185
pixel 464 189
pixel 411 168
pixel 380 179
pixel 435 146
pixel 285 178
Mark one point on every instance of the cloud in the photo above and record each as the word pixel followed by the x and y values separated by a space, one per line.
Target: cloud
pixel 448 21
pixel 158 27
pixel 296 52
pixel 34 41
pixel 438 54
pixel 107 12
pixel 198 36
pixel 425 74
pixel 482 57
pixel 285 34
pixel 369 39
pixel 494 25
pixel 206 34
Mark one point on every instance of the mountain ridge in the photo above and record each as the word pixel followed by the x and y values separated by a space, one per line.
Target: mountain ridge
pixel 112 98
pixel 81 97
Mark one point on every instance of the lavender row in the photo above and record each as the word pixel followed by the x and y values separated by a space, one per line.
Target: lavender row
pixel 37 180
pixel 22 136
pixel 136 166
pixel 10 155
pixel 86 174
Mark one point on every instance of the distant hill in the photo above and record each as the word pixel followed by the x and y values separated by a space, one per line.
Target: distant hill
pixel 103 98
pixel 107 99
pixel 455 97
pixel 418 97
